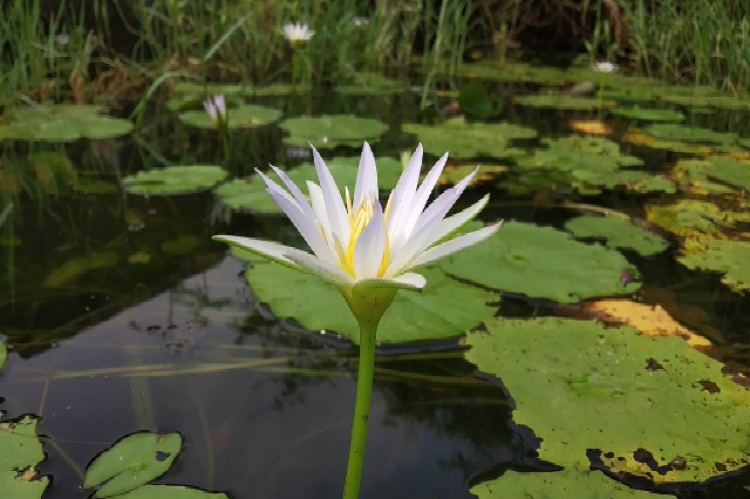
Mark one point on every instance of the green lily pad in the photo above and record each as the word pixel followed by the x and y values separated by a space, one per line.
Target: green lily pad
pixel 571 482
pixel 634 181
pixel 250 194
pixel 367 83
pixel 470 140
pixel 635 94
pixel 684 133
pixel 475 101
pixel 445 309
pixel 542 262
pixel 579 153
pixel 174 180
pixel 618 233
pixel 691 217
pixel 563 102
pixel 581 386
pixel 244 116
pixel 183 245
pixel 133 461
pixel 726 102
pixel 170 492
pixel 730 172
pixel 75 268
pixel 329 131
pixel 20 452
pixel 692 173
pixel 511 71
pixel 731 258
pixel 62 123
pixel 638 113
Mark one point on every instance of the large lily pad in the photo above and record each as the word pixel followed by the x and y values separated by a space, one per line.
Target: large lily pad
pixel 563 102
pixel 170 492
pixel 643 402
pixel 174 180
pixel 470 140
pixel 244 116
pixel 730 172
pixel 638 113
pixel 62 123
pixel 542 262
pixel 446 308
pixel 731 258
pixel 329 131
pixel 568 483
pixel 618 233
pixel 20 451
pixel 692 174
pixel 133 461
pixel 685 133
pixel 634 181
pixel 691 217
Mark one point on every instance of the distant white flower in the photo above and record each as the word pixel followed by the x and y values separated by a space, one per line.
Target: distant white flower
pixel 62 39
pixel 605 67
pixel 361 21
pixel 298 32
pixel 216 108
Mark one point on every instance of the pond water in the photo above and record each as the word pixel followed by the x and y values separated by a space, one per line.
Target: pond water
pixel 104 343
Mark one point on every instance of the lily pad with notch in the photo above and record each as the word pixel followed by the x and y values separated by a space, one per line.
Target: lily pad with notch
pixel 20 452
pixel 329 131
pixel 174 180
pixel 61 123
pixel 617 233
pixel 720 256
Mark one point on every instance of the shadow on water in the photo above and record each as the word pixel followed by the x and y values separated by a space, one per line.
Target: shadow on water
pixel 123 316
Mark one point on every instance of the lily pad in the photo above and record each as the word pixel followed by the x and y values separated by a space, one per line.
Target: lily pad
pixel 731 258
pixel 691 217
pixel 329 131
pixel 727 102
pixel 174 180
pixel 641 139
pixel 638 113
pixel 3 355
pixel 75 268
pixel 367 83
pixel 244 116
pixel 133 461
pixel 453 174
pixel 20 452
pixel 563 102
pixel 618 233
pixel 542 262
pixel 643 402
pixel 170 492
pixel 635 94
pixel 634 181
pixel 183 245
pixel 571 482
pixel 470 140
pixel 685 133
pixel 62 123
pixel 445 309
pixel 730 172
pixel 691 173
pixel 475 101
pixel 510 71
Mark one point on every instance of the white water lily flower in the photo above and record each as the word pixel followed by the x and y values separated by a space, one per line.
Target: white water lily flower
pixel 216 108
pixel 605 67
pixel 298 32
pixel 360 21
pixel 363 250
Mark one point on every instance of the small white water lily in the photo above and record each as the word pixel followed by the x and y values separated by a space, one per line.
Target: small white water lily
pixel 605 67
pixel 363 250
pixel 216 108
pixel 361 21
pixel 298 32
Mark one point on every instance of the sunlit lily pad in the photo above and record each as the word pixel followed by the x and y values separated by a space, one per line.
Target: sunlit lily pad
pixel 729 172
pixel 245 116
pixel 542 262
pixel 453 174
pixel 61 123
pixel 691 173
pixel 731 258
pixel 641 139
pixel 170 492
pixel 329 131
pixel 445 309
pixel 174 180
pixel 563 102
pixel 470 140
pixel 569 483
pixel 685 133
pixel 643 402
pixel 133 461
pixel 20 452
pixel 638 113
pixel 634 181
pixel 617 233
pixel 691 217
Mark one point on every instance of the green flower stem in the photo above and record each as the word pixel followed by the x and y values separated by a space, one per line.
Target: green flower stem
pixel 367 334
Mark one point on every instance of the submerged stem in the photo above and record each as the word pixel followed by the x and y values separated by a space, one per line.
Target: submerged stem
pixel 367 334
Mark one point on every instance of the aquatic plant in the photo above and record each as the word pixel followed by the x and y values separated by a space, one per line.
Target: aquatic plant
pixel 216 109
pixel 298 32
pixel 367 253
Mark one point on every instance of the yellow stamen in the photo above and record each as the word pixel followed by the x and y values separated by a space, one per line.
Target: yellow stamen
pixel 358 220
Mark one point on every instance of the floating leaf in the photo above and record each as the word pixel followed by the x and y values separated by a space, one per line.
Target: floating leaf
pixel 139 258
pixel 563 102
pixel 470 140
pixel 183 245
pixel 634 181
pixel 512 72
pixel 20 452
pixel 638 113
pixel 329 131
pixel 247 194
pixel 367 83
pixel 692 173
pixel 590 127
pixel 170 492
pixel 244 116
pixel 542 262
pixel 618 233
pixel 730 172
pixel 571 482
pixel 690 217
pixel 445 309
pixel 133 461
pixel 641 139
pixel 3 355
pixel 174 180
pixel 718 101
pixel 62 123
pixel 730 258
pixel 453 174
pixel 475 101
pixel 635 94
pixel 685 133
pixel 639 400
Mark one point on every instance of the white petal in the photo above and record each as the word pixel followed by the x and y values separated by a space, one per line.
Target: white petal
pixel 402 195
pixel 406 281
pixel 451 224
pixel 368 253
pixel 319 208
pixel 367 178
pixel 454 245
pixel 273 186
pixel 326 271
pixel 442 205
pixel 338 220
pixel 272 251
pixel 296 192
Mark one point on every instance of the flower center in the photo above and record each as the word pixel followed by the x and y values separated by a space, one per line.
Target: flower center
pixel 358 220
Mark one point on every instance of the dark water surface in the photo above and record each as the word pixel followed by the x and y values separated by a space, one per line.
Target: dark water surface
pixel 182 345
